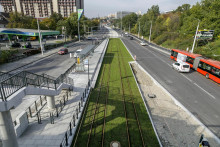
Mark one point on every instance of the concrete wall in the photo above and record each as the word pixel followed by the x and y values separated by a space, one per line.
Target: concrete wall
pixel 22 123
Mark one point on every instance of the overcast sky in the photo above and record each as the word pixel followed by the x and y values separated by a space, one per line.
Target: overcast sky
pixel 95 8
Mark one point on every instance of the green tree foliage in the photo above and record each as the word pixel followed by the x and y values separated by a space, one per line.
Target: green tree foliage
pixel 176 29
pixel 129 20
pixel 17 20
pixel 54 22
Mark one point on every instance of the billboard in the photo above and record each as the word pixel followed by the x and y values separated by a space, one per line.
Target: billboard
pixel 204 34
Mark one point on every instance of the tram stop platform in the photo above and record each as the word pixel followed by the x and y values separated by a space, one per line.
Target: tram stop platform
pixel 49 127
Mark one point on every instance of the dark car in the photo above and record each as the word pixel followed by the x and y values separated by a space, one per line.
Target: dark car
pixel 16 44
pixel 63 51
pixel 28 45
pixel 131 38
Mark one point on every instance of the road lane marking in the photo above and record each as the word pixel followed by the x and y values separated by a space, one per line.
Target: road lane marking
pixel 181 73
pixel 187 78
pixel 204 90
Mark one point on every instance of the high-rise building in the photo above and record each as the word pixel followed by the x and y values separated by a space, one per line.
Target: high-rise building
pixel 121 14
pixel 42 8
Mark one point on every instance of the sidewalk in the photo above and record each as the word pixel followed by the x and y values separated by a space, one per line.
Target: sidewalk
pixel 47 134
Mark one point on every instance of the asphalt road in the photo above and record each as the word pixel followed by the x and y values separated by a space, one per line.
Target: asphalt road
pixel 58 64
pixel 199 95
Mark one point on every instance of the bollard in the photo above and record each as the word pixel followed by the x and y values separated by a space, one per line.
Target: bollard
pixel 67 95
pixel 70 129
pixel 76 113
pixel 35 103
pixel 38 118
pixel 60 105
pixel 30 111
pixel 66 139
pixel 64 101
pixel 74 123
pixel 79 106
pixel 57 111
pixel 41 101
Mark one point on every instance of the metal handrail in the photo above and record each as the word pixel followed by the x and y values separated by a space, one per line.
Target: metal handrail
pixel 75 117
pixel 21 79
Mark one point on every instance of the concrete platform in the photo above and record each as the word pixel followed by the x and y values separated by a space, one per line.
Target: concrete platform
pixel 47 134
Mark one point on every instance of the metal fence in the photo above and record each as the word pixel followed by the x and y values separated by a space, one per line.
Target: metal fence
pixel 75 117
pixel 12 84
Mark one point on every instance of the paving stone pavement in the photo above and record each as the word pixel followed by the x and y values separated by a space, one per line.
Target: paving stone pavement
pixel 47 134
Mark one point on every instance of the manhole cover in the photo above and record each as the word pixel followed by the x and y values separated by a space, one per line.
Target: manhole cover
pixel 151 95
pixel 115 144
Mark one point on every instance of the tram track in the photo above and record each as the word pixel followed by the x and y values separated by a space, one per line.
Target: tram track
pixel 131 94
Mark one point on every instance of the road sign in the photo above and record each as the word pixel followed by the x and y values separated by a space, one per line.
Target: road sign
pixel 204 34
pixel 80 11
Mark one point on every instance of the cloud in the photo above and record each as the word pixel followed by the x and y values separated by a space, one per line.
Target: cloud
pixel 93 8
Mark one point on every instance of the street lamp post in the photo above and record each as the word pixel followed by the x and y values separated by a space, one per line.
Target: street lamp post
pixel 139 30
pixel 41 46
pixel 195 38
pixel 78 31
pixel 129 28
pixel 150 31
pixel 88 74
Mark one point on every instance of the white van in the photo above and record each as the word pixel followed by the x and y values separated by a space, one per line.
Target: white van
pixel 181 66
pixel 77 52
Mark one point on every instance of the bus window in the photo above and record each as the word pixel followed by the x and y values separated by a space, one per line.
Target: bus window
pixel 189 60
pixel 216 72
pixel 174 54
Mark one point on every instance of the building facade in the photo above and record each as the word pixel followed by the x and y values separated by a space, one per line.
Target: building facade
pixel 121 14
pixel 3 19
pixel 42 8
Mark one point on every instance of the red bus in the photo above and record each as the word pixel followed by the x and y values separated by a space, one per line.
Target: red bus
pixel 207 67
pixel 189 59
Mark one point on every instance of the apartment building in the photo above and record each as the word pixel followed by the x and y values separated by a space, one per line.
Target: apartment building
pixel 42 8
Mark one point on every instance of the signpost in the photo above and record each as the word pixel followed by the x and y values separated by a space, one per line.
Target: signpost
pixel 80 11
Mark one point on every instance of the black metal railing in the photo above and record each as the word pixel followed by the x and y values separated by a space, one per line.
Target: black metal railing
pixel 75 117
pixel 12 84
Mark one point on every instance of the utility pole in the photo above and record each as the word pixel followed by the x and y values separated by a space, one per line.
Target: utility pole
pixel 139 30
pixel 41 46
pixel 195 38
pixel 88 73
pixel 121 20
pixel 150 31
pixel 129 28
pixel 78 31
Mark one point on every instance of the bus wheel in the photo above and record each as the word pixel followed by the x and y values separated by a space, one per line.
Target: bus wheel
pixel 207 76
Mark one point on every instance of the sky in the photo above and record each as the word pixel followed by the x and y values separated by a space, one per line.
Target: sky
pixel 95 8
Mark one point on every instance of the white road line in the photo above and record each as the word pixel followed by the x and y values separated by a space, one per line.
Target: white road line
pixel 205 91
pixel 187 78
pixel 182 74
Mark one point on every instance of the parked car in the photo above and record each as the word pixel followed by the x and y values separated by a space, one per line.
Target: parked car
pixel 143 43
pixel 181 66
pixel 28 45
pixel 16 45
pixel 77 52
pixel 63 51
pixel 89 38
